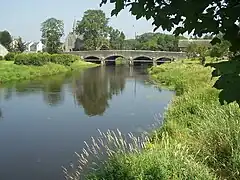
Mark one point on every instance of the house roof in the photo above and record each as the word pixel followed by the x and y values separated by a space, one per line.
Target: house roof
pixel 27 43
pixel 184 43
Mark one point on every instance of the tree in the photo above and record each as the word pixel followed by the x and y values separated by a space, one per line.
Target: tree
pixel 192 50
pixel 202 52
pixel 52 31
pixel 6 39
pixel 204 17
pixel 220 49
pixel 116 39
pixel 20 45
pixel 94 28
pixel 131 44
pixel 158 42
pixel 168 42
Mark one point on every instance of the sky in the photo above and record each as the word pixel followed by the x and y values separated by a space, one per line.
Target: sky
pixel 23 18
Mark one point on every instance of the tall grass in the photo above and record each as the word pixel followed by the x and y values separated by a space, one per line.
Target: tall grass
pixel 200 139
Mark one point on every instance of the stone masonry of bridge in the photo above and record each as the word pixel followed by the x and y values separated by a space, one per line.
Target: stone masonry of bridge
pixel 131 55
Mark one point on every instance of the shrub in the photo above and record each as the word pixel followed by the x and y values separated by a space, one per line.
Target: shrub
pixel 10 56
pixel 36 59
pixel 1 58
pixel 120 61
pixel 64 59
pixel 39 59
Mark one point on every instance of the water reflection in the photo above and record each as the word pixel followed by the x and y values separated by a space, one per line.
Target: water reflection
pixel 91 89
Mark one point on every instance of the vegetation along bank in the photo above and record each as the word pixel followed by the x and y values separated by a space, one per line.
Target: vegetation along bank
pixel 29 66
pixel 200 139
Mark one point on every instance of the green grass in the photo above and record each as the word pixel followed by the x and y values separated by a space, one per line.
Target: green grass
pixel 79 65
pixel 12 72
pixel 200 139
pixel 121 61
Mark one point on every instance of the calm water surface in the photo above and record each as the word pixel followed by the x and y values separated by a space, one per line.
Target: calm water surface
pixel 43 122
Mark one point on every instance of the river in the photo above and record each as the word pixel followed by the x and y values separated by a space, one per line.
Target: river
pixel 43 122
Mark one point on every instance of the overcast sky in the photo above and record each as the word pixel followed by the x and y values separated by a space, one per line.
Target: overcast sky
pixel 23 18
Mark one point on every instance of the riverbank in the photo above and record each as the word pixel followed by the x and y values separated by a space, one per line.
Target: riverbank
pixel 13 72
pixel 200 139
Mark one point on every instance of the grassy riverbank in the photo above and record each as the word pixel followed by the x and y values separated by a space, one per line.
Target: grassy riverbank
pixel 200 139
pixel 13 72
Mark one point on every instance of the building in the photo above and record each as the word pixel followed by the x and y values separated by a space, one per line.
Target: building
pixel 73 42
pixel 184 43
pixel 3 51
pixel 34 46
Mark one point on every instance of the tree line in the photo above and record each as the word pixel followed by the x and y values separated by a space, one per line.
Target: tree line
pixel 97 34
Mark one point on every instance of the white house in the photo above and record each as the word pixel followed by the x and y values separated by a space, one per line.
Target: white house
pixel 3 50
pixel 28 45
pixel 34 46
pixel 40 46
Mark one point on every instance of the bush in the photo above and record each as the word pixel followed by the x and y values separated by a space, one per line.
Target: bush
pixel 120 61
pixel 1 58
pixel 39 59
pixel 64 59
pixel 36 59
pixel 10 56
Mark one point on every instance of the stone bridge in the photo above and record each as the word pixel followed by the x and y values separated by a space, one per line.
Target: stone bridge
pixel 133 56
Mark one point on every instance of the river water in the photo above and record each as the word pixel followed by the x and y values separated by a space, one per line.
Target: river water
pixel 43 122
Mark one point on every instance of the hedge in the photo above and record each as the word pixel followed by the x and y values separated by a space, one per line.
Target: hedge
pixel 64 59
pixel 1 58
pixel 39 59
pixel 36 59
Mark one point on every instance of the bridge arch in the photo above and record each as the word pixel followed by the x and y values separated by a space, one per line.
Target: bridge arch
pixel 142 57
pixel 111 60
pixel 91 57
pixel 94 59
pixel 162 60
pixel 114 57
pixel 140 60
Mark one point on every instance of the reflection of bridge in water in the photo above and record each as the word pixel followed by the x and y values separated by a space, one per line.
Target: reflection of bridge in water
pixel 133 57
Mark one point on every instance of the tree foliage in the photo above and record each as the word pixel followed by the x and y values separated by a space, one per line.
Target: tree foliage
pixel 5 39
pixel 94 28
pixel 220 49
pixel 154 42
pixel 206 16
pixel 21 47
pixel 116 38
pixel 52 31
pixel 197 17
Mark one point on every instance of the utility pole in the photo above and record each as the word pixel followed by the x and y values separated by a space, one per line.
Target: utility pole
pixel 135 33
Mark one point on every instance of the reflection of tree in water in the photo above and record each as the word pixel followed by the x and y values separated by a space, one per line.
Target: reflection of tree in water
pixel 96 86
pixel 117 81
pixel 8 93
pixel 91 91
pixel 53 91
pixel 51 88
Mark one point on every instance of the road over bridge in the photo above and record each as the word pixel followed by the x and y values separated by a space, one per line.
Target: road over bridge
pixel 132 56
